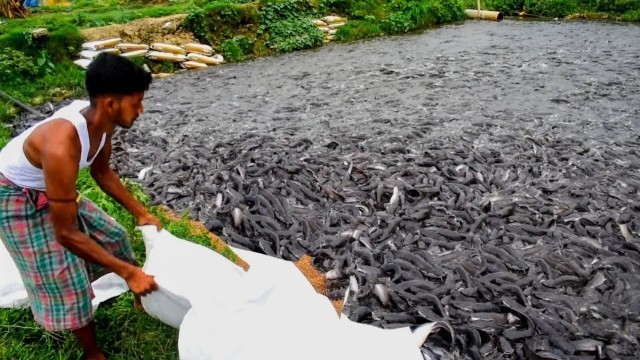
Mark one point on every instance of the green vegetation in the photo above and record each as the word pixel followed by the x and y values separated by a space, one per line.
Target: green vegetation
pixel 238 48
pixel 625 10
pixel 85 14
pixel 358 29
pixel 633 15
pixel 277 26
pixel 294 34
pixel 123 333
pixel 551 8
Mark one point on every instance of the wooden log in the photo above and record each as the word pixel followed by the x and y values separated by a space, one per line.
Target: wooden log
pixel 484 14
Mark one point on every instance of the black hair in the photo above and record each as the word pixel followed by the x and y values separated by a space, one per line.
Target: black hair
pixel 110 74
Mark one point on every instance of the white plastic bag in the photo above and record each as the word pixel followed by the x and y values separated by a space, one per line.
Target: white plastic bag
pixel 12 291
pixel 185 272
pixel 269 312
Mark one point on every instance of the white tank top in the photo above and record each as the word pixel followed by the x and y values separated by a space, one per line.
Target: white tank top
pixel 14 164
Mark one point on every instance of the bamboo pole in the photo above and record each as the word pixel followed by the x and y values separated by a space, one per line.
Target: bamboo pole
pixel 484 14
pixel 21 104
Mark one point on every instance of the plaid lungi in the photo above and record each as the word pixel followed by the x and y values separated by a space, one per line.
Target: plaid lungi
pixel 57 281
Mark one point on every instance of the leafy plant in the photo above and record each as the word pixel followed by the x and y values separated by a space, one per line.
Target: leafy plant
pixel 274 11
pixel 417 14
pixel 196 23
pixel 507 7
pixel 358 29
pixel 397 22
pixel 632 16
pixel 444 11
pixel 62 43
pixel 219 19
pixel 5 135
pixel 293 34
pixel 237 48
pixel 359 9
pixel 44 62
pixel 15 65
pixel 617 6
pixel 551 8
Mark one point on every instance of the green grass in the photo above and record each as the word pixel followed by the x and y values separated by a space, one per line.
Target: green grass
pixel 85 15
pixel 66 81
pixel 633 16
pixel 123 333
pixel 4 134
pixel 619 10
pixel 357 30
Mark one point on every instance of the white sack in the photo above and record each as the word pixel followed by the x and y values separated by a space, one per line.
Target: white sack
pixel 12 292
pixel 106 287
pixel 269 312
pixel 185 271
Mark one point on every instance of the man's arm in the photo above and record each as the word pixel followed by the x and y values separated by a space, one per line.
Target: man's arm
pixel 110 183
pixel 60 156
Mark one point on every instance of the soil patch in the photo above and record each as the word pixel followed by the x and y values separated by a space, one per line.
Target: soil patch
pixel 167 29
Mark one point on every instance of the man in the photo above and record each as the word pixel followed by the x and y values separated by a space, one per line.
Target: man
pixel 60 241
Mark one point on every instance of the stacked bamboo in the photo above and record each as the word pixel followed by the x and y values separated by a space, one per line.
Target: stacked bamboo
pixel 329 26
pixel 190 56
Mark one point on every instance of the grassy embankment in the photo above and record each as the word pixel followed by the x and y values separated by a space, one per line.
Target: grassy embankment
pixel 618 10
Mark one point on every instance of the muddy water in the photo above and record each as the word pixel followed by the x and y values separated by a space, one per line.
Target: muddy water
pixel 547 105
pixel 479 79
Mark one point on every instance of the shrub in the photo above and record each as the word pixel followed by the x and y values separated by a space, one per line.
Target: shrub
pixel 219 20
pixel 293 34
pixel 232 51
pixel 507 7
pixel 7 112
pixel 358 29
pixel 16 66
pixel 358 9
pixel 632 16
pixel 19 40
pixel 197 24
pixel 64 43
pixel 617 6
pixel 417 14
pixel 275 11
pixel 5 135
pixel 237 48
pixel 551 8
pixel 446 11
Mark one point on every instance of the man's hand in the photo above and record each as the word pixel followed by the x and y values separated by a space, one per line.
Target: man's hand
pixel 140 283
pixel 148 219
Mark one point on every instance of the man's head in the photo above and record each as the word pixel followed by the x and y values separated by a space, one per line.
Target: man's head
pixel 116 87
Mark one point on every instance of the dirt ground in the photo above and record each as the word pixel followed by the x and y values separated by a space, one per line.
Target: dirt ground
pixel 166 29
